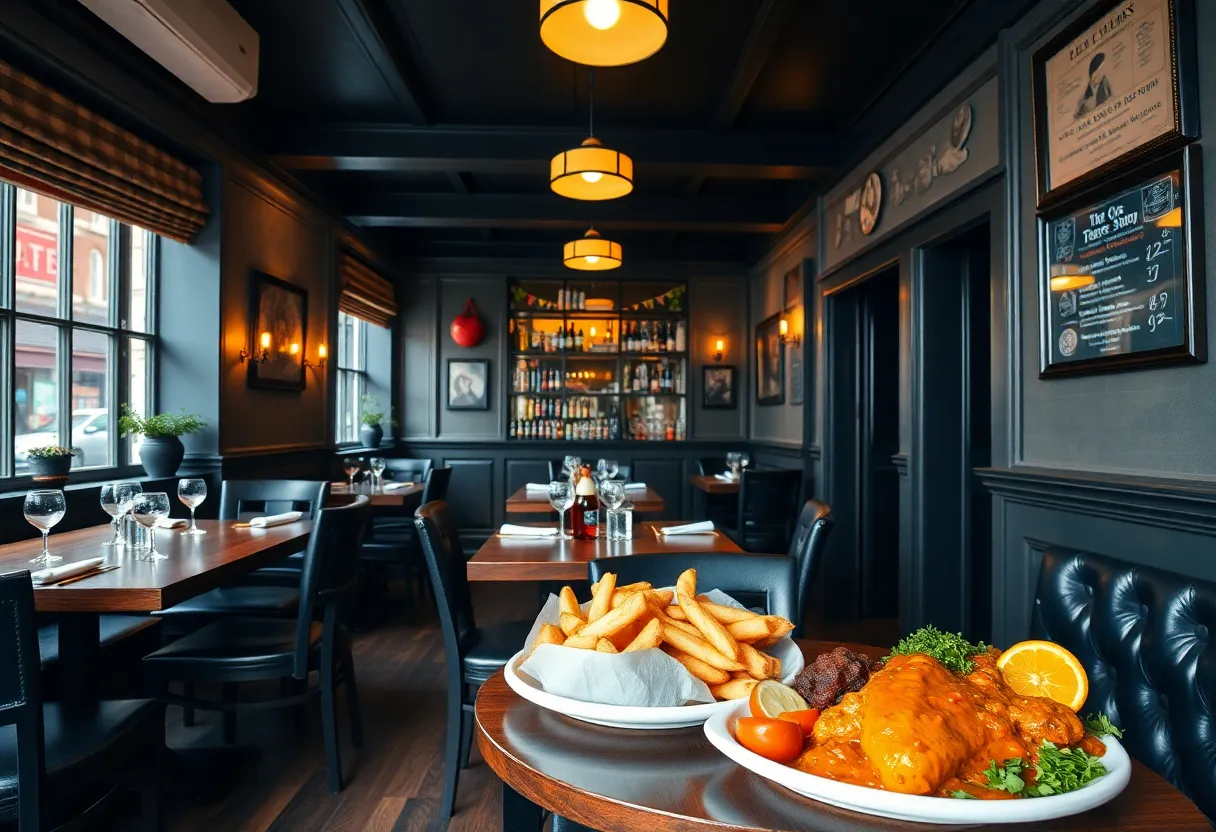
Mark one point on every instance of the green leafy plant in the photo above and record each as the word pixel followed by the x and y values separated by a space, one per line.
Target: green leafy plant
pixel 160 425
pixel 371 414
pixel 951 649
pixel 1099 725
pixel 1006 778
pixel 49 452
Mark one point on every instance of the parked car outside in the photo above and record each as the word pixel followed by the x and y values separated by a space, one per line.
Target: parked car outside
pixel 90 439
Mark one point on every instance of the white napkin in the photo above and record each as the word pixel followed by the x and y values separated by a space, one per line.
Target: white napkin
pixel 511 530
pixel 276 519
pixel 55 574
pixel 389 486
pixel 537 487
pixel 171 523
pixel 635 486
pixel 725 477
pixel 689 528
pixel 342 484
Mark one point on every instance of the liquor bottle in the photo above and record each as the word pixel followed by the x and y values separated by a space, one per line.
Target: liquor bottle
pixel 681 337
pixel 671 337
pixel 578 340
pixel 654 336
pixel 586 520
pixel 511 430
pixel 661 336
pixel 680 435
pixel 669 431
pixel 655 381
pixel 668 384
pixel 570 337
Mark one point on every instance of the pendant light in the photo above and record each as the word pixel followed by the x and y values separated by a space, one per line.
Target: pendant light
pixel 591 172
pixel 592 253
pixel 604 32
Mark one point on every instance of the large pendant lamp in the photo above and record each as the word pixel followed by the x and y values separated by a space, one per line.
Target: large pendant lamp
pixel 604 32
pixel 591 171
pixel 592 253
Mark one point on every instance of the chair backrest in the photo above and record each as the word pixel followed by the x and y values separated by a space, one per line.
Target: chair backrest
pixel 329 570
pixel 623 472
pixel 765 581
pixel 767 501
pixel 239 497
pixel 408 470
pixel 21 691
pixel 806 547
pixel 436 487
pixel 707 466
pixel 445 560
pixel 555 469
pixel 1147 639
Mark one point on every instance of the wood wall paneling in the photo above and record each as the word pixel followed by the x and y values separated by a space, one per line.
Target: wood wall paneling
pixel 475 503
pixel 490 296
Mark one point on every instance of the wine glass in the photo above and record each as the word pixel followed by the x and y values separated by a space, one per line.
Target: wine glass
pixel 612 493
pixel 192 492
pixel 109 504
pixel 351 466
pixel 43 509
pixel 612 468
pixel 744 460
pixel 125 493
pixel 378 464
pixel 732 462
pixel 147 509
pixel 561 497
pixel 569 465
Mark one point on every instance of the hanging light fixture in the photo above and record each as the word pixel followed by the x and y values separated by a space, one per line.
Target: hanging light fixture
pixel 604 32
pixel 591 171
pixel 592 253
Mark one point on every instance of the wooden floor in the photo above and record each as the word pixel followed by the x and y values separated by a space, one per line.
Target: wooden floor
pixel 394 783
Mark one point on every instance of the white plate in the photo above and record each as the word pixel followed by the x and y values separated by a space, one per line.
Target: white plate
pixel 626 716
pixel 918 807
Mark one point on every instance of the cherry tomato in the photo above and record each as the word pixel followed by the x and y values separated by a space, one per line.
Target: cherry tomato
pixel 806 718
pixel 773 739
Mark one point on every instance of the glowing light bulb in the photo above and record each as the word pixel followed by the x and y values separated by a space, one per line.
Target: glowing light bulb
pixel 721 345
pixel 591 176
pixel 294 349
pixel 265 340
pixel 602 14
pixel 592 332
pixel 322 351
pixel 592 259
pixel 783 327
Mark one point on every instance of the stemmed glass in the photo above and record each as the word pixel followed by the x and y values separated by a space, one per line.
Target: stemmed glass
pixel 733 462
pixel 561 497
pixel 125 493
pixel 109 504
pixel 378 464
pixel 149 508
pixel 192 492
pixel 612 493
pixel 744 461
pixel 351 466
pixel 43 509
pixel 569 465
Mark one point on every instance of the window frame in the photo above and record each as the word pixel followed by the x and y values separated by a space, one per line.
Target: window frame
pixel 358 374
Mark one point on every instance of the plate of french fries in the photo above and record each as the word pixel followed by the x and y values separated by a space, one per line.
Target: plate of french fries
pixel 638 656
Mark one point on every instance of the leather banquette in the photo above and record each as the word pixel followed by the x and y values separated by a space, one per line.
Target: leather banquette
pixel 1147 638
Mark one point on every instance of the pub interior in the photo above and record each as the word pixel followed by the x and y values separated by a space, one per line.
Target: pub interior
pixel 617 415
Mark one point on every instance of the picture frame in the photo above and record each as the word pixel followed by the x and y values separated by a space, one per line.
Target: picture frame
pixel 1095 306
pixel 791 288
pixel 278 323
pixel 1118 84
pixel 718 390
pixel 770 362
pixel 797 384
pixel 468 384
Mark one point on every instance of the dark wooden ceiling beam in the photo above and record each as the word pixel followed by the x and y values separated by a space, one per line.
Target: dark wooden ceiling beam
pixel 767 25
pixel 380 35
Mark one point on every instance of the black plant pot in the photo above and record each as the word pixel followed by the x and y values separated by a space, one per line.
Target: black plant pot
pixel 161 456
pixel 49 468
pixel 371 436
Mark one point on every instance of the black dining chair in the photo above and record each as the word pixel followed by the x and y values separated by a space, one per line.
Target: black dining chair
pixel 806 547
pixel 392 545
pixel 401 470
pixel 238 649
pixel 473 654
pixel 767 500
pixel 555 469
pixel 60 767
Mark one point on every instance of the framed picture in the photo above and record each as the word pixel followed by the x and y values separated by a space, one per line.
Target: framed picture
pixel 1117 84
pixel 718 387
pixel 770 362
pixel 278 314
pixel 1121 277
pixel 792 288
pixel 797 387
pixel 468 384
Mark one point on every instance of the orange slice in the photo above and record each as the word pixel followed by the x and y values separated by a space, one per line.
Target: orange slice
pixel 1043 668
pixel 770 699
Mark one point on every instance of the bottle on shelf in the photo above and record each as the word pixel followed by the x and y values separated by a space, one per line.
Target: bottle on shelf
pixel 670 331
pixel 569 337
pixel 681 337
pixel 669 431
pixel 578 340
pixel 661 336
pixel 680 435
pixel 586 520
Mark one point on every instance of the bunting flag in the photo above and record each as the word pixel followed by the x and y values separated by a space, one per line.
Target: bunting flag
pixel 668 300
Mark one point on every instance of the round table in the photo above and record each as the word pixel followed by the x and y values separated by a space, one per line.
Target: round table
pixel 674 781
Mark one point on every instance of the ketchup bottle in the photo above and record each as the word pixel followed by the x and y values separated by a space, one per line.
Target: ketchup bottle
pixel 586 520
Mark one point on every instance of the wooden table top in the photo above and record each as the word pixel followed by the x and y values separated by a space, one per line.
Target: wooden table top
pixel 663 781
pixel 195 565
pixel 646 501
pixel 378 496
pixel 546 559
pixel 712 485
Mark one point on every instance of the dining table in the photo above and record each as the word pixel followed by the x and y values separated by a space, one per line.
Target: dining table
pixel 378 495
pixel 508 558
pixel 645 501
pixel 194 564
pixel 668 780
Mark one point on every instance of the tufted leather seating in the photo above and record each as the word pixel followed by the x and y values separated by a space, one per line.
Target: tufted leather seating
pixel 1147 639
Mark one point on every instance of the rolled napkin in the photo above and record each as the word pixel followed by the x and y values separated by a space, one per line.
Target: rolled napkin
pixel 689 528
pixel 537 487
pixel 635 486
pixel 511 530
pixel 171 523
pixel 342 484
pixel 390 486
pixel 276 519
pixel 55 574
pixel 725 477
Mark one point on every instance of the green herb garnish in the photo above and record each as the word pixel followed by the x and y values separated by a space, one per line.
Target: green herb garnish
pixel 959 794
pixel 951 649
pixel 1063 770
pixel 1099 725
pixel 1006 778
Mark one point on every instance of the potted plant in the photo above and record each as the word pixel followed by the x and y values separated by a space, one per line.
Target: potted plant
pixel 371 419
pixel 50 463
pixel 162 451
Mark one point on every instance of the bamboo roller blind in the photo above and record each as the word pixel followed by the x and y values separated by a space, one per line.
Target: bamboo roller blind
pixel 365 294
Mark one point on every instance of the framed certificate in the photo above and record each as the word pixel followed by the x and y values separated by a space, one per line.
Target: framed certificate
pixel 1115 85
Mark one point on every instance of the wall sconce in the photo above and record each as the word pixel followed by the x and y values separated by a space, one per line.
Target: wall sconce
pixel 322 358
pixel 719 347
pixel 783 334
pixel 263 353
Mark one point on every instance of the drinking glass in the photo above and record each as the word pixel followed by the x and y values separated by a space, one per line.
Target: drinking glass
pixel 43 509
pixel 612 468
pixel 109 504
pixel 192 492
pixel 147 509
pixel 378 464
pixel 351 466
pixel 569 465
pixel 744 460
pixel 732 462
pixel 561 497
pixel 612 493
pixel 125 493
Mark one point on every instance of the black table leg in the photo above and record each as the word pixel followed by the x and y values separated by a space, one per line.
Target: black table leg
pixel 518 813
pixel 79 664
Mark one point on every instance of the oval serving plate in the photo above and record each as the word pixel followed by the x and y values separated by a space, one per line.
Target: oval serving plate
pixel 920 808
pixel 625 716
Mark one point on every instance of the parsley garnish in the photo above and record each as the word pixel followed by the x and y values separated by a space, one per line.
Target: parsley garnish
pixel 959 794
pixel 1099 725
pixel 1006 778
pixel 1063 770
pixel 951 649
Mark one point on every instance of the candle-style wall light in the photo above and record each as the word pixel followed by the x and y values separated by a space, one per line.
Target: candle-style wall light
pixel 262 355
pixel 719 349
pixel 322 358
pixel 783 333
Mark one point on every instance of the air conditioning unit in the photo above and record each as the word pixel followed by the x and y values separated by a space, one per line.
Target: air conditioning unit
pixel 205 43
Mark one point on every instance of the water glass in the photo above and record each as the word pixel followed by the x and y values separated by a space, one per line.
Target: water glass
pixel 569 465
pixel 378 464
pixel 149 508
pixel 351 466
pixel 109 504
pixel 125 493
pixel 612 493
pixel 192 492
pixel 561 497
pixel 43 509
pixel 744 460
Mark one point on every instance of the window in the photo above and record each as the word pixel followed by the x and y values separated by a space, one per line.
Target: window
pixel 352 375
pixel 82 339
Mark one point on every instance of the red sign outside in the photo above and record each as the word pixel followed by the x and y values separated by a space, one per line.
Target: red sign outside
pixel 37 255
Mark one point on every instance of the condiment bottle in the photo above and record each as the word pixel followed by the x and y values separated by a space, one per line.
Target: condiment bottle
pixel 586 519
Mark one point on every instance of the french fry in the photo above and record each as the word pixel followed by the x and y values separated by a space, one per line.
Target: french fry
pixel 654 597
pixel 617 619
pixel 549 634
pixel 571 623
pixel 582 642
pixel 567 603
pixel 621 639
pixel 740 674
pixel 710 628
pixel 698 648
pixel 601 600
pixel 650 636
pixel 725 614
pixel 706 673
pixel 759 665
pixel 777 629
pixel 734 689
pixel 668 621
pixel 605 646
pixel 635 587
pixel 686 584
pixel 751 631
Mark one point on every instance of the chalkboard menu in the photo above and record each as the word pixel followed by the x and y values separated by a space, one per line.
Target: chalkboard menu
pixel 1120 278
